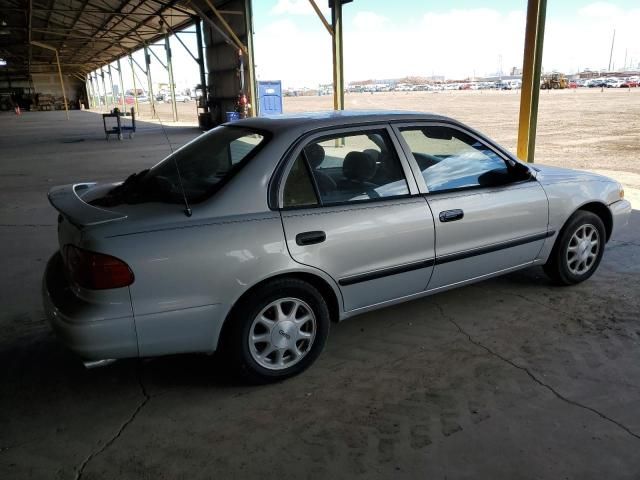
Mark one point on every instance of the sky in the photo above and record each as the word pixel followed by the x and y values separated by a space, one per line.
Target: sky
pixel 455 38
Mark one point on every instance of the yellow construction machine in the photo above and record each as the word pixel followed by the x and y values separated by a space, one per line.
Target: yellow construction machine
pixel 555 81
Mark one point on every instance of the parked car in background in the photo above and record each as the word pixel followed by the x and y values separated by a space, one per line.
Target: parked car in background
pixel 253 237
pixel 629 83
pixel 597 82
pixel 179 98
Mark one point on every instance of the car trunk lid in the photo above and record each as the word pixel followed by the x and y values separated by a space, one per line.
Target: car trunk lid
pixel 67 199
pixel 76 214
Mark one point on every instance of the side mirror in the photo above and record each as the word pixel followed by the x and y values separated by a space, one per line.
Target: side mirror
pixel 522 171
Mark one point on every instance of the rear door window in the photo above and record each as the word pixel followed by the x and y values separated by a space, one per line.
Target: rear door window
pixel 354 167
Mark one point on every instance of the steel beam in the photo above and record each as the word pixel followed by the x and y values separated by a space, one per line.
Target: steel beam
pixel 113 100
pixel 172 85
pixel 227 27
pixel 94 77
pixel 64 93
pixel 531 69
pixel 213 25
pixel 147 61
pixel 104 86
pixel 321 17
pixel 93 92
pixel 157 57
pixel 175 34
pixel 135 87
pixel 121 85
pixel 203 77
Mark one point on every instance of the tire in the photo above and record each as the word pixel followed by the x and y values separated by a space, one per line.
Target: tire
pixel 249 358
pixel 575 257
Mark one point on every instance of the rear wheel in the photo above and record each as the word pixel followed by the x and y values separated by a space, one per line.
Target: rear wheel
pixel 278 331
pixel 578 250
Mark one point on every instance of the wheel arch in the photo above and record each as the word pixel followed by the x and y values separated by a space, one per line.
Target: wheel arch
pixel 597 208
pixel 322 285
pixel 602 211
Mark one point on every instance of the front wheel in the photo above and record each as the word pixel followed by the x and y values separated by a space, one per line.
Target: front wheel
pixel 277 332
pixel 578 250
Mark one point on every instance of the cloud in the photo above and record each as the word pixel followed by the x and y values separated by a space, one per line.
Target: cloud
pixel 299 57
pixel 600 10
pixel 457 43
pixel 297 7
pixel 369 21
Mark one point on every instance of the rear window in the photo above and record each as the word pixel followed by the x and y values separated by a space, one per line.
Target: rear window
pixel 204 164
pixel 201 167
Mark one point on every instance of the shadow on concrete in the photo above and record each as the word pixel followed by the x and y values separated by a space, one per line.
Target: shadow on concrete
pixel 38 359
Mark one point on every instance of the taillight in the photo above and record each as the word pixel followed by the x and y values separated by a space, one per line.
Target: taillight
pixel 96 271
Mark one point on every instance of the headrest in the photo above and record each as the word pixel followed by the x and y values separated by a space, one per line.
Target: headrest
pixel 315 155
pixel 359 166
pixel 375 154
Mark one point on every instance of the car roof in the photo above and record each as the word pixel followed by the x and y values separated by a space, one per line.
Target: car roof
pixel 340 118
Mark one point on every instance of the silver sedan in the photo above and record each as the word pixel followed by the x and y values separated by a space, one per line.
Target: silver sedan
pixel 252 238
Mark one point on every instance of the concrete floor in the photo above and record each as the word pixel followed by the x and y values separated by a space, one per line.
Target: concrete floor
pixel 510 378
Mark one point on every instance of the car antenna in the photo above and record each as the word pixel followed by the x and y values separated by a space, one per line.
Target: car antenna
pixel 187 209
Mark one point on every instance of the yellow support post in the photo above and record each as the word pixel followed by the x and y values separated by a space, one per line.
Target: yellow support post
pixel 531 69
pixel 253 95
pixel 338 67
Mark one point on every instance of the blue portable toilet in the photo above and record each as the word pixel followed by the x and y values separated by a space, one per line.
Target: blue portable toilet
pixel 269 97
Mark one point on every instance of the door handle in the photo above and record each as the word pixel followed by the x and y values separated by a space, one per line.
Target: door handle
pixel 309 238
pixel 451 215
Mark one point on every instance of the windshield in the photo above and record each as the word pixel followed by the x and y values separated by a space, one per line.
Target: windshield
pixel 204 165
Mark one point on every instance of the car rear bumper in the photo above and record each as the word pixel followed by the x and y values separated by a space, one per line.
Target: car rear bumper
pixel 621 212
pixel 93 326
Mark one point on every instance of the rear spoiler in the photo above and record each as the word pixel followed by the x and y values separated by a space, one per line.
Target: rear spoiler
pixel 66 199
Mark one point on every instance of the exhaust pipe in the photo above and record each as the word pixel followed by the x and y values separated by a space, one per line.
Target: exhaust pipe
pixel 98 363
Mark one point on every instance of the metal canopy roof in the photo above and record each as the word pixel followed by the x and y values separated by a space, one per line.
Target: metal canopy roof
pixel 87 33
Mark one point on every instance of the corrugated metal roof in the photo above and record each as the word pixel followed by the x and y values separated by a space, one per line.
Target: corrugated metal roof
pixel 87 33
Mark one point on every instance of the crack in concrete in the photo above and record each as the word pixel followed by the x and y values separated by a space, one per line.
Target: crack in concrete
pixel 536 379
pixel 617 244
pixel 111 441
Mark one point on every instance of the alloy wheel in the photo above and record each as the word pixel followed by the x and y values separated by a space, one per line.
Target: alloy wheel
pixel 282 333
pixel 583 249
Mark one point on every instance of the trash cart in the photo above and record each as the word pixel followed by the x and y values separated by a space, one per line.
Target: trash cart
pixel 124 122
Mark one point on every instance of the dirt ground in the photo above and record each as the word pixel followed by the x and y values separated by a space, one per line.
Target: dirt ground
pixel 578 128
pixel 582 128
pixel 511 378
